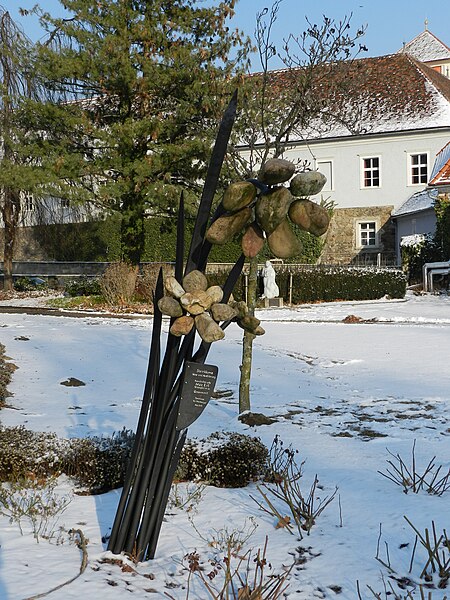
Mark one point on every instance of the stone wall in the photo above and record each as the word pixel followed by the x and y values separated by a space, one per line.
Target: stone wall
pixel 341 241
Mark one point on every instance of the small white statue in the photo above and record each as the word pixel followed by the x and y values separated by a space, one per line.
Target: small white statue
pixel 270 287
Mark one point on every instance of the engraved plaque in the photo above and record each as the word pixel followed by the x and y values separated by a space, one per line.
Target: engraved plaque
pixel 197 388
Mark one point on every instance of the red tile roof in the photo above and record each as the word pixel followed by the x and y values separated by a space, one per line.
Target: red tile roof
pixel 372 95
pixel 441 170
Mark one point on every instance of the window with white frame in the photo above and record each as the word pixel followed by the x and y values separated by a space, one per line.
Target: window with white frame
pixel 28 201
pixel 367 234
pixel 326 168
pixel 418 168
pixel 371 172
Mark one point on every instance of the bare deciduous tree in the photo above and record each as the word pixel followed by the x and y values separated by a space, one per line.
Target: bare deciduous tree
pixel 285 105
pixel 18 84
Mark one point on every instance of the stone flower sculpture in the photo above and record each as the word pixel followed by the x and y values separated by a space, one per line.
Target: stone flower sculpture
pixel 179 383
pixel 196 304
pixel 264 209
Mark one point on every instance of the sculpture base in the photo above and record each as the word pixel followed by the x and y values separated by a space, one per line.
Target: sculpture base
pixel 272 302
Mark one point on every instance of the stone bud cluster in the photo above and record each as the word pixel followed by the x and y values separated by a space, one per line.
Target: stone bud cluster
pixel 195 304
pixel 269 214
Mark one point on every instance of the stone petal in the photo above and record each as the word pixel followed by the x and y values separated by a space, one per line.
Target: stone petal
pixel 195 281
pixel 182 326
pixel 170 306
pixel 173 287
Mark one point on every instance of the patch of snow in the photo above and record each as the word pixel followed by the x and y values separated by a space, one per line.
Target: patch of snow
pixel 342 395
pixel 412 241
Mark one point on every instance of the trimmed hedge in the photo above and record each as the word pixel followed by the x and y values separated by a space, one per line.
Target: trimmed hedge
pixel 100 241
pixel 328 284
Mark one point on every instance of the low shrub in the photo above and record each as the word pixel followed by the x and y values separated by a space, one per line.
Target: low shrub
pixel 429 564
pixel 223 459
pixel 235 575
pixel 96 464
pixel 6 369
pixel 83 286
pixel 432 478
pixel 327 284
pixel 147 278
pixel 24 452
pixel 284 487
pixel 99 464
pixel 28 284
pixel 118 283
pixel 33 501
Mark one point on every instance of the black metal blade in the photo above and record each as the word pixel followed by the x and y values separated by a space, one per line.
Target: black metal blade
pixel 210 186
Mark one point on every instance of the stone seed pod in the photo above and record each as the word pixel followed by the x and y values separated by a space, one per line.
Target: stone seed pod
pixel 238 195
pixel 252 241
pixel 227 226
pixel 208 329
pixel 191 308
pixel 308 183
pixel 195 302
pixel 250 324
pixel 276 170
pixel 272 208
pixel 259 331
pixel 283 242
pixel 309 216
pixel 241 309
pixel 223 312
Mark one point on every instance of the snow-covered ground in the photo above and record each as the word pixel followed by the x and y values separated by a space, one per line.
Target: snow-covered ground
pixel 343 394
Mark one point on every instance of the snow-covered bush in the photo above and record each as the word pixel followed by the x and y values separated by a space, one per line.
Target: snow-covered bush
pixel 6 369
pixel 28 284
pixel 25 453
pixel 99 464
pixel 223 460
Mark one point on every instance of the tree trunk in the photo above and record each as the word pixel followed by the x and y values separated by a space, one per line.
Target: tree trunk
pixel 247 343
pixel 10 214
pixel 132 232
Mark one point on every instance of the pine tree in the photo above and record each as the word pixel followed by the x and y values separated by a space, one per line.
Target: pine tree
pixel 139 86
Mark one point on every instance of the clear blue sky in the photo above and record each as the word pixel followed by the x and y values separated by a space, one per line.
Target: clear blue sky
pixel 389 22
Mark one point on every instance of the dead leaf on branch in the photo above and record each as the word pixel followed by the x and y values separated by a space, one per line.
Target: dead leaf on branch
pixel 283 522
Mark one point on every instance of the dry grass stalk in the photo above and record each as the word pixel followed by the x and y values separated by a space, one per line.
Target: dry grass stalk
pixel 410 479
pixel 283 487
pixel 237 577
